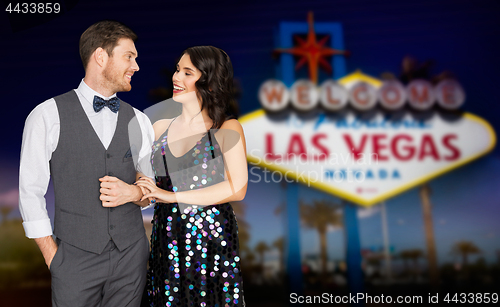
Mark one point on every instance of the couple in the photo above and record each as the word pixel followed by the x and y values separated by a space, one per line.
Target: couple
pixel 97 149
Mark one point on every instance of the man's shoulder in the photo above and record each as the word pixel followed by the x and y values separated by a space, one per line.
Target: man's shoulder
pixel 68 94
pixel 139 113
pixel 46 108
pixel 142 118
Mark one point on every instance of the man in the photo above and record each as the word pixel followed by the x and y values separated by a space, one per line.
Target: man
pixel 82 139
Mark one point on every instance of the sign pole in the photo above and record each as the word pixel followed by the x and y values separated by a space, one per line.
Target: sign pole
pixel 353 251
pixel 425 192
pixel 293 263
pixel 385 232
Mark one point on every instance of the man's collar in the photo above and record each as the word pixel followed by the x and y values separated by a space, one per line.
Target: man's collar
pixel 89 93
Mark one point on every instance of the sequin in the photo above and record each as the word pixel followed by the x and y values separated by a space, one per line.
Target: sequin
pixel 197 258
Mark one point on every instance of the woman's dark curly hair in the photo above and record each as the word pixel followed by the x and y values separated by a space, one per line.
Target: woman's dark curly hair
pixel 215 86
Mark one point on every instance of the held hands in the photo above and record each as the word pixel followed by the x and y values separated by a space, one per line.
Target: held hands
pixel 115 192
pixel 153 192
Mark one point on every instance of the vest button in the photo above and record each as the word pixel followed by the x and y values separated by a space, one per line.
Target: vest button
pixel 111 227
pixel 112 209
pixel 108 156
pixel 110 173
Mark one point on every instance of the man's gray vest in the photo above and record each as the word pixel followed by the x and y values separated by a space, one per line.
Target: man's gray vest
pixel 78 162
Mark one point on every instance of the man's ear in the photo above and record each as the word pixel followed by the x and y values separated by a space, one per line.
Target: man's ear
pixel 100 56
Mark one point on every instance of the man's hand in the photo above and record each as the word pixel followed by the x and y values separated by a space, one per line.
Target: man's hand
pixel 115 192
pixel 153 192
pixel 48 248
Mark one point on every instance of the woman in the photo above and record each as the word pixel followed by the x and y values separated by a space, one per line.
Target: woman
pixel 199 159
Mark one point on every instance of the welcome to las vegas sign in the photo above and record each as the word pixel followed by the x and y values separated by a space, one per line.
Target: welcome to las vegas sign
pixel 362 160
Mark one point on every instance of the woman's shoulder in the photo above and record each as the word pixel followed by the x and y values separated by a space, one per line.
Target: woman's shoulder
pixel 230 133
pixel 232 124
pixel 161 125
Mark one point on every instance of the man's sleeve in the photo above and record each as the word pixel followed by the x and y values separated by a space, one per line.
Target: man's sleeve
pixel 39 141
pixel 143 164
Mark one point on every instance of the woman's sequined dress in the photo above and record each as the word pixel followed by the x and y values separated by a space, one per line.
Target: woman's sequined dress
pixel 194 257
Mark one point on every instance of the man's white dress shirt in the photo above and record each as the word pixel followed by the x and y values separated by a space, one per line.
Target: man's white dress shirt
pixel 40 138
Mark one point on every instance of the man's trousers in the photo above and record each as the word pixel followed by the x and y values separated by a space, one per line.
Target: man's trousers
pixel 110 279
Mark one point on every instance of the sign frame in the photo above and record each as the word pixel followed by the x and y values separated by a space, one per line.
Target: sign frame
pixel 355 198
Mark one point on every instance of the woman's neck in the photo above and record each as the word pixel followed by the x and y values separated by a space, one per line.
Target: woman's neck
pixel 198 121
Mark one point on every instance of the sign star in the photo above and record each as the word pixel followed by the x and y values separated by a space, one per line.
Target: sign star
pixel 312 51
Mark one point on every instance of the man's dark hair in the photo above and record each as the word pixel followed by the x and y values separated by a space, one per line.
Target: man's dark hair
pixel 104 34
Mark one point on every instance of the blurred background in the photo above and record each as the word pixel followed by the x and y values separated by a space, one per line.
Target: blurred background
pixel 457 38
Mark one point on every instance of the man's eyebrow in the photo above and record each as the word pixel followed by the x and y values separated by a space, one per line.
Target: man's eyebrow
pixel 131 52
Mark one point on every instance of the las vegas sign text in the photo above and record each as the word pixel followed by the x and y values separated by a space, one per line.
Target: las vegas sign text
pixel 377 146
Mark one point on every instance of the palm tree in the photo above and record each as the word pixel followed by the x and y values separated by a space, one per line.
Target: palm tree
pixel 320 216
pixel 425 196
pixel 464 248
pixel 279 244
pixel 261 248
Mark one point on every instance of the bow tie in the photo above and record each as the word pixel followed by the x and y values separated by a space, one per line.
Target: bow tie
pixel 113 104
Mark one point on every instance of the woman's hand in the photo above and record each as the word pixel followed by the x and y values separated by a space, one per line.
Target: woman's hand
pixel 154 192
pixel 144 191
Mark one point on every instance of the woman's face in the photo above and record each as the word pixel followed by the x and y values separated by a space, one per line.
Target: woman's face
pixel 185 76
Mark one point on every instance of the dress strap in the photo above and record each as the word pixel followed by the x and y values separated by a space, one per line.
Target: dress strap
pixel 166 133
pixel 211 145
pixel 171 123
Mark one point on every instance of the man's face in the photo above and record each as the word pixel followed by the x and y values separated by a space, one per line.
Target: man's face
pixel 120 67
